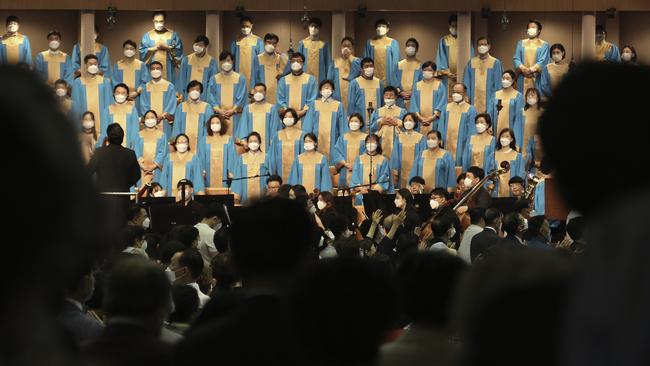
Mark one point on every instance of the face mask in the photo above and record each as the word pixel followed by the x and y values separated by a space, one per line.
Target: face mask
pixel 321 205
pixel 150 122
pixel 532 32
pixel 532 101
pixel 506 83
pixel 195 94
pixel 217 227
pixel 129 53
pixel 258 97
pixel 215 127
pixel 144 243
pixel 13 28
pixel 288 121
pixel 93 69
pixel 483 49
pixel 61 92
pixel 354 125
pixel 505 142
pixel 326 93
pixel 226 66
pixel 481 127
pixel 369 71
pixel 54 45
pixel 452 31
pixel 309 146
pixel 452 232
pixel 434 204
pixel 345 51
pixel 171 276
pixel 253 146
pixel 427 75
pixel 557 57
pixel 432 143
pixel 159 194
pixel 468 182
pixel 409 125
pixel 371 147
pixel 313 31
pixel 626 56
pixel 198 49
pixel 296 66
pixel 410 51
pixel 181 147
pixel 146 223
pixel 269 48
pixel 389 102
pixel 120 98
pixel 382 30
pixel 525 225
pixel 158 26
pixel 457 97
pixel 156 73
pixel 398 202
pixel 88 124
pixel 246 31
pixel 95 37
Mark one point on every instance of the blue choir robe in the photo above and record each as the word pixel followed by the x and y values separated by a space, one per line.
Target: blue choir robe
pixel 349 145
pixel 482 79
pixel 248 165
pixel 191 118
pixel 285 147
pixel 478 151
pixel 447 58
pixel 196 68
pixel 512 102
pixel 385 53
pixel 261 118
pixel 266 69
pixel 436 167
pixel 103 58
pixel 15 49
pixel 326 120
pixel 53 66
pixel 341 72
pixel 296 91
pixel 517 169
pixel 134 73
pixel 427 98
pixel 381 179
pixel 227 91
pixel 386 133
pixel 311 169
pixel 551 76
pixel 530 53
pixel 363 91
pixel 526 134
pixel 318 57
pixel 217 155
pixel 160 97
pixel 178 166
pixel 246 50
pixel 92 94
pixel 607 51
pixel 403 78
pixel 126 115
pixel 150 146
pixel 406 148
pixel 166 58
pixel 455 125
pixel 539 201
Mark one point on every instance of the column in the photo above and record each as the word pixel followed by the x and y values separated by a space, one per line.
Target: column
pixel 214 32
pixel 588 39
pixel 86 35
pixel 338 32
pixel 464 42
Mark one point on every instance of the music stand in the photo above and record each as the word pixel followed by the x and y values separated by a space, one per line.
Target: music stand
pixel 422 205
pixel 505 204
pixel 164 217
pixel 374 200
pixel 220 199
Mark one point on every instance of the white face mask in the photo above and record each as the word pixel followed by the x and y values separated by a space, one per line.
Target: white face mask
pixel 296 66
pixel 452 232
pixel 452 31
pixel 61 92
pixel 246 30
pixel 532 100
pixel 483 49
pixel 145 224
pixel 313 31
pixel 626 56
pixel 410 51
pixel 158 26
pixel 253 146
pixel 468 182
pixel 432 143
pixel 309 146
pixel 215 127
pixel 371 147
pixel 288 121
pixel 171 276
pixel 481 127
pixel 198 49
pixel 369 72
pixel 532 32
pixel 345 51
pixel 181 147
pixel 354 126
pixel 457 97
pixel 389 102
pixel 150 122
pixel 427 75
pixel 505 142
pixel 194 94
pixel 129 53
pixel 505 83
pixel 269 48
pixel 120 98
pixel 159 194
pixel 321 205
pixel 144 243
pixel 95 36
pixel 557 57
pixel 326 93
pixel 398 203
pixel 156 73
pixel 88 124
pixel 409 125
pixel 93 69
pixel 13 28
pixel 434 204
pixel 382 30
pixel 525 224
pixel 54 45
pixel 226 66
pixel 258 97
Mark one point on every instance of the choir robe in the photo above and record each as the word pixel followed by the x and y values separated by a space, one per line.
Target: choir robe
pixel 512 102
pixel 539 201
pixel 134 73
pixel 196 68
pixel 15 49
pixel 311 169
pixel 478 151
pixel 181 166
pixel 285 147
pixel 436 168
pixel 385 53
pixel 517 169
pixel 406 148
pixel 92 94
pixel 166 58
pixel 249 165
pixel 191 119
pixel 261 118
pixel 126 115
pixel 341 72
pixel 363 91
pixel 551 76
pixel 160 97
pixel 227 91
pixel 428 97
pixel 150 144
pixel 447 58
pixel 217 155
pixel 53 66
pixel 88 145
pixel 326 120
pixel 530 52
pixel 381 179
pixel 456 124
pixel 350 145
pixel 526 134
pixel 246 50
pixel 403 78
pixel 266 69
pixel 296 91
pixel 483 79
pixel 103 58
pixel 318 57
pixel 607 51
pixel 387 133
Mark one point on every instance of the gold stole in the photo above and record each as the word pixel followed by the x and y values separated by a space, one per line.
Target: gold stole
pixel 386 132
pixel 377 160
pixel 408 73
pixel 120 113
pixel 408 141
pixel 530 59
pixel 427 91
pixel 259 113
pixel 179 168
pixel 369 88
pixel 429 165
pixel 353 140
pixel 128 72
pixel 455 112
pixel 325 111
pixel 157 94
pixel 150 138
pixel 92 98
pixel 217 143
pixel 481 68
pixel 54 61
pixel 308 161
pixel 12 47
pixel 556 73
pixel 344 65
pixel 504 115
pixel 531 116
pixel 246 46
pixel 253 163
pixel 198 66
pixel 504 187
pixel 295 83
pixel 273 66
pixel 288 137
pixel 479 142
pixel 313 56
pixel 452 43
pixel 161 55
pixel 227 83
pixel 193 112
pixel 380 47
pixel 602 49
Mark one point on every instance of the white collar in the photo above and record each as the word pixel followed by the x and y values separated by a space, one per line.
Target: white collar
pixel 74 302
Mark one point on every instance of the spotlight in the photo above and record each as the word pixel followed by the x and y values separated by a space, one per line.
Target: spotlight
pixel 505 21
pixel 305 18
pixel 111 17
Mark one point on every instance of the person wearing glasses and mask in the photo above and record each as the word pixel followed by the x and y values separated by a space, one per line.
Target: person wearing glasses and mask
pixel 162 45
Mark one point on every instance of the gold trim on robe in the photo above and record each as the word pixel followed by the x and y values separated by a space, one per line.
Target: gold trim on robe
pixel 354 139
pixel 427 91
pixel 273 66
pixel 92 98
pixel 602 49
pixel 246 45
pixel 308 162
pixel 408 141
pixel 344 66
pixel 500 156
pixel 294 84
pixel 259 112
pixel 193 113
pixel 455 112
pixel 479 142
pixel 386 132
pixel 369 88
pixel 380 46
pixel 504 114
pixel 288 137
pixel 253 163
pixel 530 59
pixel 429 165
pixel 377 160
pixel 197 67
pixel 481 68
pixel 12 47
pixel 313 56
pixel 531 116
pixel 556 73
pixel 161 55
pixel 325 112
pixel 216 143
pixel 119 113
pixel 54 61
pixel 128 69
pixel 150 138
pixel 157 91
pixel 179 170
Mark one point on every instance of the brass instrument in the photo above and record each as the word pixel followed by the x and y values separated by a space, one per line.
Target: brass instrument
pixel 529 193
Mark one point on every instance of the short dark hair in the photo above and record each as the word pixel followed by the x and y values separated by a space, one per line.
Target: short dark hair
pixel 413 40
pixel 513 143
pixel 169 248
pixel 159 12
pixel 511 73
pixel 293 113
pixel 476 172
pixel 53 33
pixel 194 83
pixel 367 60
pixel 633 59
pixel 324 82
pixel 382 21
pixel 133 212
pixel 203 39
pixel 315 21
pixel 415 118
pixel 441 192
pixel 88 57
pixel 61 81
pixel 130 234
pixel 186 182
pixel 185 234
pixel 576 228
pixel 417 179
pixel 260 84
pixel 492 215
pixel 376 138
pixel 271 36
pixel 359 116
pixel 515 180
pixel 511 223
pixel 440 226
pixel 121 85
pixel 346 38
pixel 189 148
pixel 476 214
pixel 534 226
pixel 224 124
pixel 274 178
pixel 389 89
pixel 254 134
pixel 485 116
pixel 538 23
pixel 558 46
pixel 298 54
pixel 12 18
pixel 115 134
pixel 212 210
pixel 186 303
pixel 156 63
pixel 225 54
pixel 191 258
pixel 600 29
pixel 130 43
pixel 312 136
pixel 224 271
pixel 431 64
pixel 245 18
pixel 483 38
pixel 452 18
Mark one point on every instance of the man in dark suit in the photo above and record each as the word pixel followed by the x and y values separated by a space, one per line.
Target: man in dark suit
pixel 480 199
pixel 514 225
pixel 489 236
pixel 116 169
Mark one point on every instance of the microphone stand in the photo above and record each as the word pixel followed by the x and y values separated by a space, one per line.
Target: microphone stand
pixel 369 110
pixel 229 181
